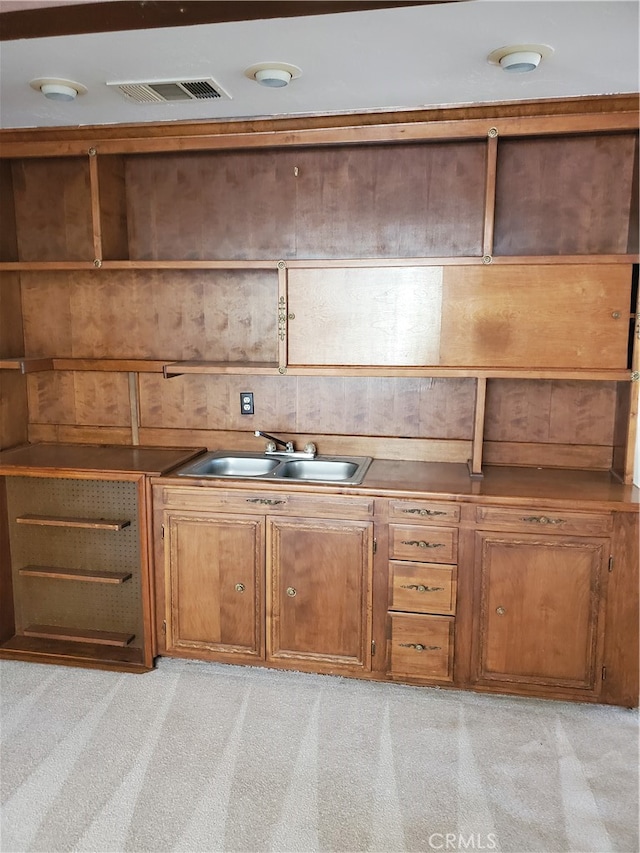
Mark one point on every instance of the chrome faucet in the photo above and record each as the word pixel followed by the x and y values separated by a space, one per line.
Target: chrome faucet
pixel 288 447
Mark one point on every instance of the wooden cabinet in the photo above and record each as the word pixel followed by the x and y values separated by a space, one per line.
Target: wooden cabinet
pixel 264 583
pixel 422 591
pixel 541 600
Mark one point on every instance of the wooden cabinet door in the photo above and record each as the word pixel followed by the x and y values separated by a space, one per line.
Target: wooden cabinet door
pixel 540 610
pixel 214 566
pixel 318 606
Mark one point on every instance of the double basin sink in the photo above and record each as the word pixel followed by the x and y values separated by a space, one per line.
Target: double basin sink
pixel 348 470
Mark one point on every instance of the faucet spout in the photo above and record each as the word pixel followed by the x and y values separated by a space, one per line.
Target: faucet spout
pixel 287 445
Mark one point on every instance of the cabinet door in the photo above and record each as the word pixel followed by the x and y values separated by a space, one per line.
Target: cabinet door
pixel 319 591
pixel 540 610
pixel 214 566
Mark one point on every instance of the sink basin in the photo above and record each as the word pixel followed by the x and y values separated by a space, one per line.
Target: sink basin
pixel 349 470
pixel 318 469
pixel 232 466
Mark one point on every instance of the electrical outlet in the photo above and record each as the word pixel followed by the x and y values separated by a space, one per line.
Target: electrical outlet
pixel 246 402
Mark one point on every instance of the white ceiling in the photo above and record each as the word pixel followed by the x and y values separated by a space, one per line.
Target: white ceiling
pixel 387 59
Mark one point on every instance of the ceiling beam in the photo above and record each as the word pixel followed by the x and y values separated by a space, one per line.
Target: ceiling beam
pixel 147 14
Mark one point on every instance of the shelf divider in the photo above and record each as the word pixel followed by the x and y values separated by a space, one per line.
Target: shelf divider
pixel 93 575
pixel 58 521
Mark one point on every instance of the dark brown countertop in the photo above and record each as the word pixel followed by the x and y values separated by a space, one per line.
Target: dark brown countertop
pixel 37 459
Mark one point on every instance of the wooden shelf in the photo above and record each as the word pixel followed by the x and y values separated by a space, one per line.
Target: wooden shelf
pixel 79 635
pixel 46 650
pixel 91 523
pixel 26 365
pixel 177 368
pixel 93 575
pixel 115 365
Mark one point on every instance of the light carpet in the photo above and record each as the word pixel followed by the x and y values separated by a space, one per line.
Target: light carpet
pixel 206 757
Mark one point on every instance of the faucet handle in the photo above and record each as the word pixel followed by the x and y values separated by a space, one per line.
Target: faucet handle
pixel 270 447
pixel 310 448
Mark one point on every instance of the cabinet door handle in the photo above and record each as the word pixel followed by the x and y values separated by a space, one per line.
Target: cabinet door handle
pixel 419 647
pixel 240 587
pixel 422 588
pixel 424 511
pixel 541 519
pixel 264 501
pixel 420 543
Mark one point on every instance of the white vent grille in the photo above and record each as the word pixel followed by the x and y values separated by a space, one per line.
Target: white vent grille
pixel 170 91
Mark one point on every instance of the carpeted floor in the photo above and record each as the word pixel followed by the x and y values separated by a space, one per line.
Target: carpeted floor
pixel 202 757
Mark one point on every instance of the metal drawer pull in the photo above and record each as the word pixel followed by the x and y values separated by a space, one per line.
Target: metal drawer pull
pixel 422 588
pixel 500 611
pixel 541 519
pixel 420 543
pixel 424 511
pixel 240 587
pixel 264 501
pixel 420 648
pixel 291 591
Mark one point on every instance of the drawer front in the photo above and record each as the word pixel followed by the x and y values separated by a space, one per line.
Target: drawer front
pixel 421 647
pixel 211 499
pixel 424 544
pixel 432 512
pixel 550 521
pixel 423 588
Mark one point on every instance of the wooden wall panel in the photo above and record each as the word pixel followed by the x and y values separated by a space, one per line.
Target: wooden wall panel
pixel 390 201
pixel 13 408
pixel 566 316
pixel 225 315
pixel 83 398
pixel 113 207
pixel 53 209
pixel 233 205
pixel 395 407
pixel 634 220
pixel 550 411
pixel 564 195
pixel 8 237
pixel 11 336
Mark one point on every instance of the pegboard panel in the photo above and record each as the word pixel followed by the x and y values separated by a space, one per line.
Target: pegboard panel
pixel 76 603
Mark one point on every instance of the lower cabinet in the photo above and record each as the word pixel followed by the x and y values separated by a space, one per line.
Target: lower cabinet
pixel 294 590
pixel 540 612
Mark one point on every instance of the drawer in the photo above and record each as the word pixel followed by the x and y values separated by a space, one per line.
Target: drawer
pixel 424 544
pixel 422 588
pixel 421 647
pixel 550 521
pixel 211 499
pixel 433 512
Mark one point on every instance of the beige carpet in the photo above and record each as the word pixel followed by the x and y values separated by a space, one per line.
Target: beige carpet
pixel 201 757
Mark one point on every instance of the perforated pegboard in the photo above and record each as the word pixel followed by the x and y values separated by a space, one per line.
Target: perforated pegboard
pixel 75 603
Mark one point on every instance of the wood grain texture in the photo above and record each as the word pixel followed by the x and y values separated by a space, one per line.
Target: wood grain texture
pixel 538 316
pixel 83 399
pixel 8 240
pixel 422 588
pixel 421 647
pixel 537 455
pixel 13 408
pixel 633 244
pixel 545 206
pixel 7 619
pixel 11 335
pixel 53 209
pixel 113 208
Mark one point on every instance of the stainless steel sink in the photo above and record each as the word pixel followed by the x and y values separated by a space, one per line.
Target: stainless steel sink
pixel 349 470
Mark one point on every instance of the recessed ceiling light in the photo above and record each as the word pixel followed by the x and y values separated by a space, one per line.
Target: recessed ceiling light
pixel 274 75
pixel 520 58
pixel 55 89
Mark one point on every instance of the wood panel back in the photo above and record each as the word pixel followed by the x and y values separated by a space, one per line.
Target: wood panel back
pixel 569 316
pixel 221 205
pixel 79 398
pixel 113 208
pixel 53 209
pixel 8 240
pixel 564 195
pixel 403 200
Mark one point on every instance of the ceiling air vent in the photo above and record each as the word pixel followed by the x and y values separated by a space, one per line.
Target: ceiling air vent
pixel 168 91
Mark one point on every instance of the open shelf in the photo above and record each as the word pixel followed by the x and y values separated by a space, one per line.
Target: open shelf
pixel 79 635
pixel 92 575
pixel 26 365
pixel 178 368
pixel 90 654
pixel 90 523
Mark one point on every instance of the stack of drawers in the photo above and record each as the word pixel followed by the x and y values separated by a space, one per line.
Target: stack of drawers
pixel 423 554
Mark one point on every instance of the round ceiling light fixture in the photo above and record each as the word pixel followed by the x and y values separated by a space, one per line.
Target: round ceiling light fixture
pixel 55 89
pixel 520 58
pixel 273 75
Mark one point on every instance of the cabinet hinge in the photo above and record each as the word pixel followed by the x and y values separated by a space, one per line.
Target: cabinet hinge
pixel 604 673
pixel 375 545
pixel 164 626
pixel 373 648
pixel 611 563
pixel 163 531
